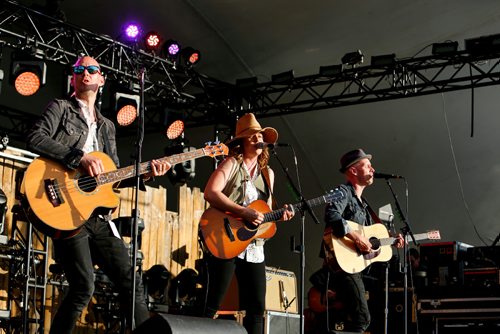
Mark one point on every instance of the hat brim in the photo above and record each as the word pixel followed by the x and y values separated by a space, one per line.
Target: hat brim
pixel 270 135
pixel 366 156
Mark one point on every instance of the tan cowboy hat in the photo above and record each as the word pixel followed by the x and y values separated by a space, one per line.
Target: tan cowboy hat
pixel 247 126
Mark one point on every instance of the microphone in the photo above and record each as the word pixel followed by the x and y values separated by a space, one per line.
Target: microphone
pixel 270 146
pixel 387 176
pixel 284 298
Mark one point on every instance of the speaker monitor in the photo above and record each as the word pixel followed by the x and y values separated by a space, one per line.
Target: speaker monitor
pixel 176 324
pixel 281 322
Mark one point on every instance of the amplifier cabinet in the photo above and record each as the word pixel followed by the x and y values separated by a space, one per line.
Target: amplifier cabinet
pixel 467 325
pixel 459 306
pixel 281 290
pixel 281 323
pixel 459 315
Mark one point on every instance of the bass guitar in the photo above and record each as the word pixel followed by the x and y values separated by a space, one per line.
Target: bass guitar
pixel 64 199
pixel 226 235
pixel 351 260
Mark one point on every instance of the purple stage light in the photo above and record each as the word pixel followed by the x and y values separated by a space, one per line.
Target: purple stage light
pixel 132 31
pixel 173 49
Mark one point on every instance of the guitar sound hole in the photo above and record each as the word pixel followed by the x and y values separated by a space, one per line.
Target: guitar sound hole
pixel 375 243
pixel 87 184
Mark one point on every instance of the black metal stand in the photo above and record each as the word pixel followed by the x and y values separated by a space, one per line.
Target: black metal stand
pixel 406 231
pixel 304 207
pixel 135 213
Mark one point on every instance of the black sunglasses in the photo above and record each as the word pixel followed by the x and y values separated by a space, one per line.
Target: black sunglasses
pixel 92 69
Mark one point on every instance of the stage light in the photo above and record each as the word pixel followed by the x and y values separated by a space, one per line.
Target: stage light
pixel 190 56
pixel 28 76
pixel 156 280
pixel 132 31
pixel 483 45
pixel 445 48
pixel 126 106
pixel 384 60
pixel 175 129
pixel 353 58
pixel 1 80
pixel 152 41
pixel 246 83
pixel 171 49
pixel 330 71
pixel 174 123
pixel 282 78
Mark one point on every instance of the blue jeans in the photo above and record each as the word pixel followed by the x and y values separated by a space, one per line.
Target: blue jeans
pixel 95 244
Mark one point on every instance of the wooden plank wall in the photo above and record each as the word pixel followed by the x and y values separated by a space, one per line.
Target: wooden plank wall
pixel 169 238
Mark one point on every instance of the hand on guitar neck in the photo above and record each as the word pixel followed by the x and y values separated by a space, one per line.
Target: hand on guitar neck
pixel 94 166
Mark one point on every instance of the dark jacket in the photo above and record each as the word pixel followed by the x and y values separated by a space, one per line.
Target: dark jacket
pixel 346 208
pixel 61 132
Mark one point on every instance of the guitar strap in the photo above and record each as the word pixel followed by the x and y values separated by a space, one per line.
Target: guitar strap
pixel 372 213
pixel 267 179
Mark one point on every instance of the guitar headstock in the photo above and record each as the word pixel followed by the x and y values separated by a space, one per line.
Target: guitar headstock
pixel 215 149
pixel 434 235
pixel 334 195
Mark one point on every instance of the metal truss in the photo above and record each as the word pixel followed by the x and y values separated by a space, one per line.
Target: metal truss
pixel 166 82
pixel 403 78
pixel 207 101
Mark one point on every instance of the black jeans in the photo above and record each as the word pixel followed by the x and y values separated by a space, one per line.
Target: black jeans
pixel 95 244
pixel 351 291
pixel 251 289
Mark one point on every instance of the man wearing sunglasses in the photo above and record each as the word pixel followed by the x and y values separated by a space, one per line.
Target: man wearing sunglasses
pixel 67 131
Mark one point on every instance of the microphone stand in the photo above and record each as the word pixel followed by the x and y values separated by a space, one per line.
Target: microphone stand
pixel 303 208
pixel 406 230
pixel 135 217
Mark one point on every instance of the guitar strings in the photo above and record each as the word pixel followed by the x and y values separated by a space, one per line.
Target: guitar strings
pixel 88 182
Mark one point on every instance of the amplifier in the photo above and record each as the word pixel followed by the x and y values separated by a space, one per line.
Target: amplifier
pixel 281 322
pixel 478 277
pixel 281 290
pixel 442 253
pixel 467 325
pixel 484 256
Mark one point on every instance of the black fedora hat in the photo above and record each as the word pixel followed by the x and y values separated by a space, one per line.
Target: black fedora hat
pixel 351 157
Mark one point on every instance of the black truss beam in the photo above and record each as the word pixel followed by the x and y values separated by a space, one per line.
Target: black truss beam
pixel 207 101
pixel 22 28
pixel 405 78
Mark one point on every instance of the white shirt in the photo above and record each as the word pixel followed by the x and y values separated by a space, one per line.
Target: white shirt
pixel 91 144
pixel 254 252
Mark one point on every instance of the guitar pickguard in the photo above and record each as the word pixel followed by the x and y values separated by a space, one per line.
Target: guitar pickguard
pixel 245 234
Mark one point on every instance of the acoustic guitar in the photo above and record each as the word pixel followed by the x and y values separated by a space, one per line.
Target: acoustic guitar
pixel 351 260
pixel 64 199
pixel 318 303
pixel 226 235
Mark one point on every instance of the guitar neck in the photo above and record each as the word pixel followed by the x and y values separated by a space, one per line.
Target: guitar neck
pixel 390 241
pixel 277 214
pixel 145 167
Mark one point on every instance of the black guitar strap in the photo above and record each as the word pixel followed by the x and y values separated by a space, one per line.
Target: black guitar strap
pixel 372 213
